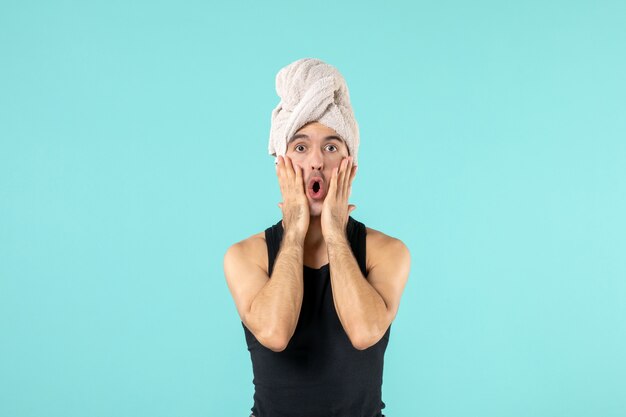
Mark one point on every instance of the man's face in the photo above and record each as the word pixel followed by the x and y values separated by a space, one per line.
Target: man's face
pixel 317 149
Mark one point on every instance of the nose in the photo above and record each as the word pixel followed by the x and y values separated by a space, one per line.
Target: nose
pixel 316 161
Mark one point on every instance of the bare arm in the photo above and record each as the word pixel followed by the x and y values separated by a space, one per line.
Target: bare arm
pixel 366 307
pixel 275 309
pixel 269 308
pixel 360 308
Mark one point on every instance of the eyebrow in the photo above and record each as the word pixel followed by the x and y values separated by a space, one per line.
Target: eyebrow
pixel 303 136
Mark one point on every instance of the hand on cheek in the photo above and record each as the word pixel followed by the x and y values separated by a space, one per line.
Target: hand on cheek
pixel 336 210
pixel 295 206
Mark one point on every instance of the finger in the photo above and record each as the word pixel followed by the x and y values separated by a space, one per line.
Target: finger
pixel 299 178
pixel 278 167
pixel 332 189
pixel 341 179
pixel 347 177
pixel 296 175
pixel 353 174
pixel 337 176
pixel 289 167
pixel 280 172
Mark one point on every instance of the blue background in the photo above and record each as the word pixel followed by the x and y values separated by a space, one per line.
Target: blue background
pixel 133 152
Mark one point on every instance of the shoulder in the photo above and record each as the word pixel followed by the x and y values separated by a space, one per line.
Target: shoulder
pixel 245 270
pixel 381 247
pixel 389 264
pixel 252 249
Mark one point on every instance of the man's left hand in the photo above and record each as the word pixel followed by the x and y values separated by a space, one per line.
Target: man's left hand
pixel 336 210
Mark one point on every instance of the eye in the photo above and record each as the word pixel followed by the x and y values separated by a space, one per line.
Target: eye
pixel 332 146
pixel 298 146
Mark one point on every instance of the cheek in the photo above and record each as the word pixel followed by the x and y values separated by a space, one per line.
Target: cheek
pixel 337 162
pixel 340 157
pixel 296 158
pixel 297 165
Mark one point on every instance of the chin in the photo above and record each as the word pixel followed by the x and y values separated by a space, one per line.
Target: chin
pixel 315 209
pixel 315 213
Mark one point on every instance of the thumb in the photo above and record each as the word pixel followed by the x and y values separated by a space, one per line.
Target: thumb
pixel 280 206
pixel 351 208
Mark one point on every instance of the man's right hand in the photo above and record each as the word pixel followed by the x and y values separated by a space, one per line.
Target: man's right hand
pixel 295 205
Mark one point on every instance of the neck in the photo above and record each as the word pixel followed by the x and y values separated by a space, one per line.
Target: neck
pixel 314 237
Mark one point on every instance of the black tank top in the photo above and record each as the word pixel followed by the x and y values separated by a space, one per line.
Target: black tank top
pixel 320 373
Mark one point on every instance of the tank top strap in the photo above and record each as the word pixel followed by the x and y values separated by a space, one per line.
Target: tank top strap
pixel 273 237
pixel 355 232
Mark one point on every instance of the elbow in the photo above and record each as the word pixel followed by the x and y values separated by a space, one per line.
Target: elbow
pixel 274 343
pixel 366 339
pixel 275 340
pixel 362 344
pixel 272 336
pixel 363 341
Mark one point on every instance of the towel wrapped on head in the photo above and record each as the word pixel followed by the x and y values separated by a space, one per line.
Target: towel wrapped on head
pixel 311 90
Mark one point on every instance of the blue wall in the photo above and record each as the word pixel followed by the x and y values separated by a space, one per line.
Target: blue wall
pixel 133 152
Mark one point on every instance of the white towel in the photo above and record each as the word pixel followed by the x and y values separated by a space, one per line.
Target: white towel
pixel 312 90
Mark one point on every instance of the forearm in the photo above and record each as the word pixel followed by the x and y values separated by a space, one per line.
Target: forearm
pixel 358 305
pixel 276 307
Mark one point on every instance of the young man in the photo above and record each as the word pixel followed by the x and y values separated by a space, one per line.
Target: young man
pixel 317 291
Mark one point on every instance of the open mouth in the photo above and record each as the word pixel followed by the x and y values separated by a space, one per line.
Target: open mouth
pixel 315 188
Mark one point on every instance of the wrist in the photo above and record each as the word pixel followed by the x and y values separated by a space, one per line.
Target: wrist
pixel 335 238
pixel 294 238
